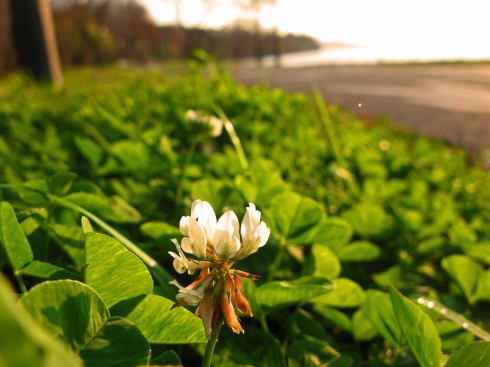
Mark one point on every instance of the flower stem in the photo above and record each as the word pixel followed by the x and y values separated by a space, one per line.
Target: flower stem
pixel 208 354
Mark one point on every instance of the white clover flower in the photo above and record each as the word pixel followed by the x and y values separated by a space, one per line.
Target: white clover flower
pixel 215 124
pixel 217 244
pixel 205 237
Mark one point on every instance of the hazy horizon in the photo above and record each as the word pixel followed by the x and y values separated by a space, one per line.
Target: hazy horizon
pixel 455 28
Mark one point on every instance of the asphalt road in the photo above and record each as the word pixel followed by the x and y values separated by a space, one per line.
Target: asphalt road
pixel 446 102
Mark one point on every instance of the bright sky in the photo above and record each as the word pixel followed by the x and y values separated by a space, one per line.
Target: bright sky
pixel 422 24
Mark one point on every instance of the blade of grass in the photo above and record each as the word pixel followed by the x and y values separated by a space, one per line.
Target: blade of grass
pixel 332 140
pixel 235 140
pixel 455 317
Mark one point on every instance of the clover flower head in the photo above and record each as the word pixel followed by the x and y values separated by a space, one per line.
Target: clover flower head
pixel 215 124
pixel 216 245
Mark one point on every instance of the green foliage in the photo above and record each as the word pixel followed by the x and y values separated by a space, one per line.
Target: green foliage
pixel 359 251
pixel 464 271
pixel 419 330
pixel 95 336
pixel 27 344
pixel 346 293
pixel 379 311
pixel 116 274
pixel 256 348
pixel 14 241
pixel 474 354
pixel 160 324
pixel 353 210
pixel 292 217
pixel 282 294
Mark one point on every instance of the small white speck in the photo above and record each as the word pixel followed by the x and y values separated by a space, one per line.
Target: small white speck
pixel 421 300
pixel 465 325
pixel 359 105
pixel 430 304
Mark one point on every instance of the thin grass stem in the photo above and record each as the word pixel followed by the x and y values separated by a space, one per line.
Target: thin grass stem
pixel 455 317
pixel 235 140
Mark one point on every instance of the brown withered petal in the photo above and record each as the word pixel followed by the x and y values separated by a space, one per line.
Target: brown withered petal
pixel 229 314
pixel 242 303
pixel 240 300
pixel 206 311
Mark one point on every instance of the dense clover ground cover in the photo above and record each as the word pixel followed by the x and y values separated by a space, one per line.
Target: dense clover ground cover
pixel 379 246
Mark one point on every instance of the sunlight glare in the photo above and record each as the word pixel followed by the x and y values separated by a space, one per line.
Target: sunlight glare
pixel 413 28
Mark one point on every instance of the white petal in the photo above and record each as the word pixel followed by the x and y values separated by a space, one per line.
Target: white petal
pixel 204 213
pixel 250 224
pixel 184 225
pixel 178 265
pixel 235 245
pixel 187 245
pixel 226 237
pixel 226 247
pixel 192 266
pixel 198 238
pixel 176 283
pixel 250 232
pixel 189 297
pixel 264 233
pixel 192 296
pixel 229 222
pixel 181 263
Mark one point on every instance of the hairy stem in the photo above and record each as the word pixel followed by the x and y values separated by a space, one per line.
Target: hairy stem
pixel 208 354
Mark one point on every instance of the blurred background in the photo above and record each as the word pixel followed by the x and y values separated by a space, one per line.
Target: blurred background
pixel 271 32
pixel 106 31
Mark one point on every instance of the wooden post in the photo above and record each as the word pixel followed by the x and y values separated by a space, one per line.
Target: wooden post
pixel 35 39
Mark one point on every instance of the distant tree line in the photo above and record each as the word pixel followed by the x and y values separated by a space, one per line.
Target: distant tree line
pixel 103 31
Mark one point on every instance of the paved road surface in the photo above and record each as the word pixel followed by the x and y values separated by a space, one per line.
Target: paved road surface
pixel 447 102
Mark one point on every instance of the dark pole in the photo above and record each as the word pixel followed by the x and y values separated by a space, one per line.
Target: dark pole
pixel 35 39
